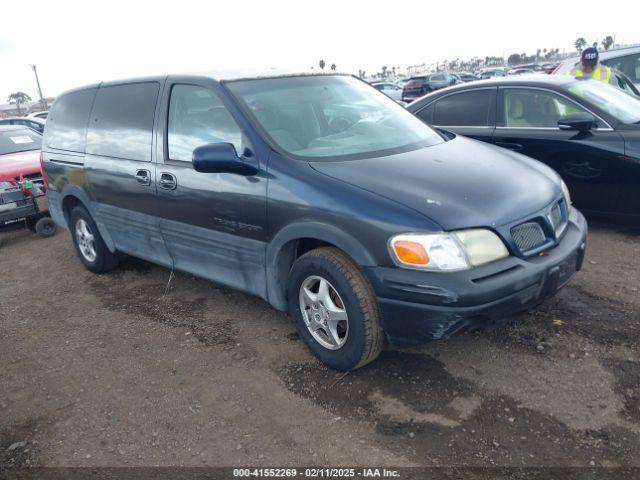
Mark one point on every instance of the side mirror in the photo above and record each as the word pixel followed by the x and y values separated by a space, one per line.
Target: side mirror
pixel 580 121
pixel 220 158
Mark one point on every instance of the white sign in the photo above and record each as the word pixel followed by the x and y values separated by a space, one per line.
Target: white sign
pixel 21 139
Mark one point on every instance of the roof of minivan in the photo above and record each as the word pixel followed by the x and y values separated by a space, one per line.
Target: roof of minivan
pixel 218 75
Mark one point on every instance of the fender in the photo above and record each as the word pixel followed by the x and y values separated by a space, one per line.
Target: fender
pixel 77 192
pixel 276 286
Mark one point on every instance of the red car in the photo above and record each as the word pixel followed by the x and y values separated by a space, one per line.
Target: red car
pixel 21 184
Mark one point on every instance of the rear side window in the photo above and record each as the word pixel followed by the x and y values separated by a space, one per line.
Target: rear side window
pixel 121 123
pixel 67 121
pixel 465 109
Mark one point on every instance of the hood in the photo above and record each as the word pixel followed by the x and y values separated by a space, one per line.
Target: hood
pixel 13 165
pixel 461 183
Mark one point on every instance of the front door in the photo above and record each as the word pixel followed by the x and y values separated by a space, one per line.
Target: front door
pixel 589 162
pixel 213 224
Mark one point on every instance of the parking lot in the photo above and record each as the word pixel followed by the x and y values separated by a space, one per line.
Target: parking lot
pixel 129 368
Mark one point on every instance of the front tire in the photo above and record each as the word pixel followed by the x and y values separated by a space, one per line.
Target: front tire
pixel 335 309
pixel 90 247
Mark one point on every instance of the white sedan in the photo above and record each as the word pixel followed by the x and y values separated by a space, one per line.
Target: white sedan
pixel 389 89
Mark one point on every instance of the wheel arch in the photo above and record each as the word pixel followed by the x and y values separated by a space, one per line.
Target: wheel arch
pixel 295 240
pixel 73 196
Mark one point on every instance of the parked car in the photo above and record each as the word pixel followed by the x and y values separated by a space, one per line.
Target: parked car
pixel 520 71
pixel 529 66
pixel 549 68
pixel 491 73
pixel 466 76
pixel 36 124
pixel 42 115
pixel 370 228
pixel 390 89
pixel 586 130
pixel 21 185
pixel 625 60
pixel 422 84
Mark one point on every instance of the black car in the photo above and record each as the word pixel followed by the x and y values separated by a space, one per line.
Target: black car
pixel 419 85
pixel 587 131
pixel 36 124
pixel 316 193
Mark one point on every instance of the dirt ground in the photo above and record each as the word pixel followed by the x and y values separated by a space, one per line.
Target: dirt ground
pixel 125 369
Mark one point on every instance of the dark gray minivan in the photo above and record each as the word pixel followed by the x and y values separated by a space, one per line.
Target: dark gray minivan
pixel 317 193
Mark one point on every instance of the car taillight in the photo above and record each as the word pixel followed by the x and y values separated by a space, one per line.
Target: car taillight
pixel 44 175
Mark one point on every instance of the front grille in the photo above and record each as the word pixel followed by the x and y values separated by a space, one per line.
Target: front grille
pixel 528 236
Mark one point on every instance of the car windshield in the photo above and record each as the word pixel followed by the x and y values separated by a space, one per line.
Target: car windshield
pixel 328 116
pixel 19 140
pixel 612 100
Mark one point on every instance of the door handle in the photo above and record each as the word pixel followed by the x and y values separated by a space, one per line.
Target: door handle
pixel 168 181
pixel 510 146
pixel 143 177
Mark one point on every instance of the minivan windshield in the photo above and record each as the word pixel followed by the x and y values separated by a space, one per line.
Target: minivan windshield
pixel 615 102
pixel 19 140
pixel 327 116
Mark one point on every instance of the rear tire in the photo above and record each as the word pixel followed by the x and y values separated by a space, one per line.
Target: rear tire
pixel 45 227
pixel 344 331
pixel 90 247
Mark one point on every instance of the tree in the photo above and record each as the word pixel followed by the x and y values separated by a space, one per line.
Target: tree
pixel 607 42
pixel 333 66
pixel 321 64
pixel 580 44
pixel 18 98
pixel 514 59
pixel 384 70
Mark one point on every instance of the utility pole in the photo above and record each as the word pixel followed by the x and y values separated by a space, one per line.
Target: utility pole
pixel 42 102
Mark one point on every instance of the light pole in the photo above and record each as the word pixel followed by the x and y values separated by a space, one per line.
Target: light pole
pixel 42 102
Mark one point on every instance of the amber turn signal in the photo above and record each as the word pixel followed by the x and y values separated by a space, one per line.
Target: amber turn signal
pixel 411 252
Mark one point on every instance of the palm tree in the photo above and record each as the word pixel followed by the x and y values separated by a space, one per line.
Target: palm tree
pixel 580 44
pixel 18 98
pixel 607 42
pixel 333 66
pixel 321 64
pixel 384 70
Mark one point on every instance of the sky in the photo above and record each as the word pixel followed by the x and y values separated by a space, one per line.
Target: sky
pixel 78 42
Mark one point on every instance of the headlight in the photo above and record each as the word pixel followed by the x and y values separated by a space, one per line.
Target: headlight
pixel 459 250
pixel 566 194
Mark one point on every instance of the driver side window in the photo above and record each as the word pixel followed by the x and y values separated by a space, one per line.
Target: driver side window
pixel 196 117
pixel 528 108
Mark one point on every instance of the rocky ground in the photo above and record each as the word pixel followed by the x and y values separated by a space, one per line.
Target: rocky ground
pixel 126 369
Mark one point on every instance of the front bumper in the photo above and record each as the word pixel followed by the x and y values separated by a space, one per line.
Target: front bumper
pixel 419 306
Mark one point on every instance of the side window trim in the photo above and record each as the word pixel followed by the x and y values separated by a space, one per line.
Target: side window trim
pixel 500 120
